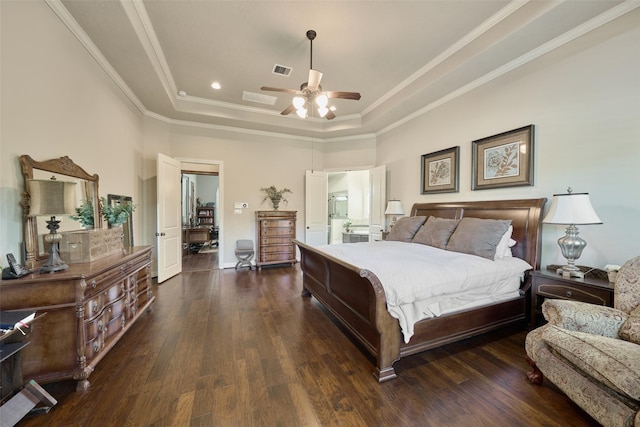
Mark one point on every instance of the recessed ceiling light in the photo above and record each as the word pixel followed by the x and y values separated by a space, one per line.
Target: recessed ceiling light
pixel 332 108
pixel 182 93
pixel 216 85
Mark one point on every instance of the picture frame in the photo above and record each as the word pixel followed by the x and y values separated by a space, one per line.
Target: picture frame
pixel 440 171
pixel 503 160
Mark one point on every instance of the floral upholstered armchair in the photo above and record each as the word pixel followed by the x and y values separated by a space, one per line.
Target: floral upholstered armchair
pixel 592 353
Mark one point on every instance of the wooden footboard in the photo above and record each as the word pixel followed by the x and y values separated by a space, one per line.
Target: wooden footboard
pixel 356 298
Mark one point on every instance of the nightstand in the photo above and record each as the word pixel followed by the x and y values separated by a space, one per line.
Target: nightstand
pixel 548 284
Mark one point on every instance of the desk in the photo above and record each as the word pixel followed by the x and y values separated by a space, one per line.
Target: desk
pixel 195 235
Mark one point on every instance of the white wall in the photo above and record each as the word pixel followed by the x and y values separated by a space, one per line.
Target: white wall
pixel 584 100
pixel 56 101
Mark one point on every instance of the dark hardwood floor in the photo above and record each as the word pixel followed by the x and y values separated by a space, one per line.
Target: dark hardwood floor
pixel 245 349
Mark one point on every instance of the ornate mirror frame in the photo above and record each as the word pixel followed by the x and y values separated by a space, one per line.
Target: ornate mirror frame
pixel 62 166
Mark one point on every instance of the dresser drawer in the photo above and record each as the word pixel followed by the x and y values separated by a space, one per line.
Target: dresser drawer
pixel 95 305
pixel 273 232
pixel 277 223
pixel 271 257
pixel 98 324
pixel 589 295
pixel 288 248
pixel 98 283
pixel 275 241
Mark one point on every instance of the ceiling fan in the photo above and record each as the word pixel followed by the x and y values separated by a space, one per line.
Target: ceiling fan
pixel 311 91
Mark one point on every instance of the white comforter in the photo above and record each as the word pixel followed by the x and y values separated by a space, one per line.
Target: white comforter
pixel 421 281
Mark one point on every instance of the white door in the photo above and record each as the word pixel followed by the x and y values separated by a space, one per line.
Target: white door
pixel 316 211
pixel 169 221
pixel 377 198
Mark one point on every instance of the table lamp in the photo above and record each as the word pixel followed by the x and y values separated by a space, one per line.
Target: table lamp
pixel 394 207
pixel 571 209
pixel 52 197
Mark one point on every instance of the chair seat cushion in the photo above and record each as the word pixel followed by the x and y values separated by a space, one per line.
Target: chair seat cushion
pixel 613 362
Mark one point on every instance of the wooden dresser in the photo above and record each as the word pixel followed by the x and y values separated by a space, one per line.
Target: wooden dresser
pixel 89 308
pixel 275 231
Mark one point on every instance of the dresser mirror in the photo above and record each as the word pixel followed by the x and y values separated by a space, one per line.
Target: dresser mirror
pixel 62 169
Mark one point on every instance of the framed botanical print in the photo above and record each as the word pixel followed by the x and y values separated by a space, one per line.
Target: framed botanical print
pixel 503 160
pixel 440 171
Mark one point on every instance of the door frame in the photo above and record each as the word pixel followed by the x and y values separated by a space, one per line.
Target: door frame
pixel 183 161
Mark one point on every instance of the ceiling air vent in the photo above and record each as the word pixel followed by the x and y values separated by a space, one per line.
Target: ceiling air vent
pixel 281 70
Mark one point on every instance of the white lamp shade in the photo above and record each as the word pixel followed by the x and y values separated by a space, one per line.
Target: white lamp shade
pixel 394 207
pixel 51 197
pixel 571 208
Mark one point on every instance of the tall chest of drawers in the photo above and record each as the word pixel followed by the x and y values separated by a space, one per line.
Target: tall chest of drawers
pixel 89 307
pixel 275 231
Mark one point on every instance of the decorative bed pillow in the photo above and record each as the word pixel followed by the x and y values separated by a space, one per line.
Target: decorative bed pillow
pixel 405 228
pixel 436 232
pixel 505 244
pixel 478 236
pixel 630 329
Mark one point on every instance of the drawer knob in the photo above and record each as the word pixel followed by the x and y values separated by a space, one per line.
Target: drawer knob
pixel 100 326
pixel 96 347
pixel 569 294
pixel 94 307
pixel 94 283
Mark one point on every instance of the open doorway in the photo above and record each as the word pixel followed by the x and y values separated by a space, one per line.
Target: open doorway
pixel 348 206
pixel 200 220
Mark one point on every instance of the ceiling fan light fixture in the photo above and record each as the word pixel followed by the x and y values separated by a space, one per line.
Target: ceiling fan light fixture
pixel 311 91
pixel 322 100
pixel 299 102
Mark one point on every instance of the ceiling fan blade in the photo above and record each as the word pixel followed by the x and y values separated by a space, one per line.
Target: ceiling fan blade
pixel 277 89
pixel 343 95
pixel 288 110
pixel 330 115
pixel 314 79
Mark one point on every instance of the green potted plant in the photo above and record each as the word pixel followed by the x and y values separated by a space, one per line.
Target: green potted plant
pixel 276 196
pixel 117 213
pixel 84 214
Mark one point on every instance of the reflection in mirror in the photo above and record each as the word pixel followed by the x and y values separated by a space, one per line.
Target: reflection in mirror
pixel 63 169
pixel 84 193
pixel 127 226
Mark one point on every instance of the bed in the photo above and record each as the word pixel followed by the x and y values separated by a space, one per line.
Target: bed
pixel 356 297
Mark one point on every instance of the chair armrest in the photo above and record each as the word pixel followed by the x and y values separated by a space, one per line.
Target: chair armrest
pixel 584 317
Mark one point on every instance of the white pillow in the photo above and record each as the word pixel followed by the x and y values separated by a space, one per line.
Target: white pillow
pixel 505 244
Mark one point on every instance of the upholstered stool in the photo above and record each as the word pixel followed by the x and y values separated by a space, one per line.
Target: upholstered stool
pixel 244 253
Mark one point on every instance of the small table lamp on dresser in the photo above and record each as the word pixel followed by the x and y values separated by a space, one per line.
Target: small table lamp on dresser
pixel 51 198
pixel 571 209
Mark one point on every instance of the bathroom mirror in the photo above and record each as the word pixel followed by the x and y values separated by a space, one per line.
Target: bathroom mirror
pixel 63 169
